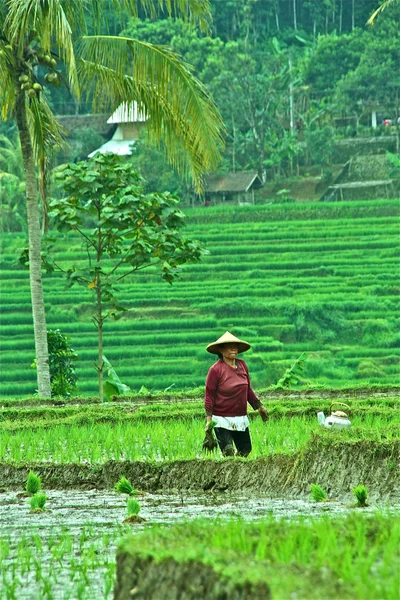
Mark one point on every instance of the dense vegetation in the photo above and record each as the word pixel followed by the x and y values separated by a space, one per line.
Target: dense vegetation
pixel 289 78
pixel 319 278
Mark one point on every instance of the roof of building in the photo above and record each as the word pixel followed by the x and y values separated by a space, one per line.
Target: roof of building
pixel 127 113
pixel 241 181
pixel 121 147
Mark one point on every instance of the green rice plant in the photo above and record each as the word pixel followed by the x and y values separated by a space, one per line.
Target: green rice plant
pixel 38 501
pixel 33 484
pixel 124 486
pixel 133 507
pixel 318 493
pixel 361 494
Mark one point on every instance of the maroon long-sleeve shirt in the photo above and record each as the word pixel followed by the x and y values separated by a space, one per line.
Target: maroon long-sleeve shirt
pixel 228 390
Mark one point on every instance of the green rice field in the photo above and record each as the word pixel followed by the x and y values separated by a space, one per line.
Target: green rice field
pixel 318 278
pixel 327 549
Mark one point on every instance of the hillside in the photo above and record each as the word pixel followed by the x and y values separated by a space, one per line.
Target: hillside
pixel 319 278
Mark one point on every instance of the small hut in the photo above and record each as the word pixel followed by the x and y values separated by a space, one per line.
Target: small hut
pixel 232 188
pixel 129 121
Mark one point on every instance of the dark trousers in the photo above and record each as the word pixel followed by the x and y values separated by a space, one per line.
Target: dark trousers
pixel 227 439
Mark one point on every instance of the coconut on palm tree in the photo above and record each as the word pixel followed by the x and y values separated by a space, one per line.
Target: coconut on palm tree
pixel 37 38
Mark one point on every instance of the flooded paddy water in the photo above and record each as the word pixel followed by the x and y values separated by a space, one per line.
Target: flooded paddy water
pixel 68 551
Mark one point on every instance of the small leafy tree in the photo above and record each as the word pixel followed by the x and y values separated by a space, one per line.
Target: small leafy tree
pixel 123 230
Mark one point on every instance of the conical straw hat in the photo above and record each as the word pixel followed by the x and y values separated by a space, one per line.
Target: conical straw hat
pixel 214 348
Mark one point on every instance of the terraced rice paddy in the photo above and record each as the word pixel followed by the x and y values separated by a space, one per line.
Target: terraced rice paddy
pixel 80 449
pixel 315 278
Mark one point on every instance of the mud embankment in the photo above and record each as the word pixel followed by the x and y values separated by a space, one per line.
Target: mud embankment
pixel 143 578
pixel 337 467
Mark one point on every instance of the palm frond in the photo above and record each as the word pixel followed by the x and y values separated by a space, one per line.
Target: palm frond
pixel 192 11
pixel 6 85
pixel 164 87
pixel 46 133
pixel 11 157
pixel 378 11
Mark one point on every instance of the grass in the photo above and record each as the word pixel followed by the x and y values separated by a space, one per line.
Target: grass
pixel 67 565
pixel 168 436
pixel 355 557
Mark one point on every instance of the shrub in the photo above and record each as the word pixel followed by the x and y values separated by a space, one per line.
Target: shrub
pixel 62 357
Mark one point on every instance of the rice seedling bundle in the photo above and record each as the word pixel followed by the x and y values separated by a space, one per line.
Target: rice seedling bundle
pixel 33 484
pixel 37 501
pixel 361 494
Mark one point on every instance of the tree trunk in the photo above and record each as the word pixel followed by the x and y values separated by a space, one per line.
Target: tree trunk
pixel 277 16
pixel 35 250
pixel 353 20
pixel 99 321
pixel 294 15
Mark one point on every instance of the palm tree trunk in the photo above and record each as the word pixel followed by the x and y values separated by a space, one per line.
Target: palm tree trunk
pixel 35 250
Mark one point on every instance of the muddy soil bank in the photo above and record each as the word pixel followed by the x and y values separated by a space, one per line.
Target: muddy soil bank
pixel 336 467
pixel 168 578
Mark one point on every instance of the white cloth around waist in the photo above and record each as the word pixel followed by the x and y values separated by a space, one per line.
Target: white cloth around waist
pixel 232 423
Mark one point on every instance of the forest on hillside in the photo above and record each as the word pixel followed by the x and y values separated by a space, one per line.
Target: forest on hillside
pixel 289 78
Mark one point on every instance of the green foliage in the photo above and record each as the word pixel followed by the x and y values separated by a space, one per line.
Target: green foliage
pixel 139 230
pixel 62 360
pixel 124 486
pixel 293 374
pixel 320 144
pixel 318 493
pixel 81 142
pixel 37 501
pixel 361 494
pixel 12 185
pixel 394 161
pixel 113 386
pixel 33 484
pixel 133 507
pixel 130 228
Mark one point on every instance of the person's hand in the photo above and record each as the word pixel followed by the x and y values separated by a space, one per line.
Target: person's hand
pixel 207 424
pixel 263 413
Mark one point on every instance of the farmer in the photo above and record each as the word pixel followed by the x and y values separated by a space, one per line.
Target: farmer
pixel 227 392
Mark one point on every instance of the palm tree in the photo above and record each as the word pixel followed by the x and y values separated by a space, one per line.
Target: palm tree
pixel 382 7
pixel 36 37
